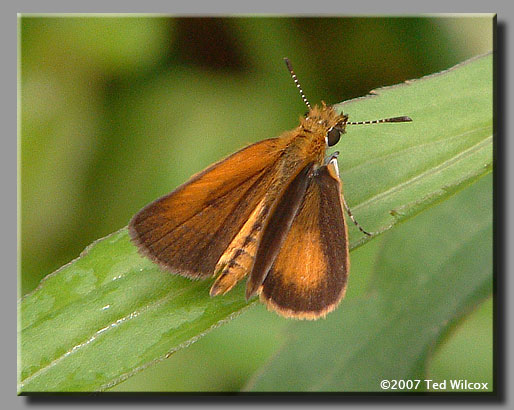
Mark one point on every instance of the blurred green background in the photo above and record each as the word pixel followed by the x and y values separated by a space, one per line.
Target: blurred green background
pixel 117 111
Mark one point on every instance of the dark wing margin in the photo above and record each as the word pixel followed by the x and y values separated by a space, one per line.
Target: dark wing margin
pixel 188 230
pixel 308 278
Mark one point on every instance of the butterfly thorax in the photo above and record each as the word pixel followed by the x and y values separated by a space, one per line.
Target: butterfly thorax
pixel 308 141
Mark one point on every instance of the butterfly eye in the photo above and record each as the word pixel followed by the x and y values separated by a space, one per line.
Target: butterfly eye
pixel 333 136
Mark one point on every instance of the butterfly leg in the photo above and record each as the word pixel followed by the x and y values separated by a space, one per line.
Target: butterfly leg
pixel 328 160
pixel 347 208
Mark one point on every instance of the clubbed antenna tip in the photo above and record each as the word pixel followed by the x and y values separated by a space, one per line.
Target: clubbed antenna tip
pixel 393 119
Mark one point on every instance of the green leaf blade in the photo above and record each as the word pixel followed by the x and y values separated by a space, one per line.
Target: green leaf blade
pixel 392 171
pixel 134 315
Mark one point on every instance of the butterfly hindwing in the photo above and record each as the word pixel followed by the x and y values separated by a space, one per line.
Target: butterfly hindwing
pixel 308 277
pixel 277 228
pixel 188 230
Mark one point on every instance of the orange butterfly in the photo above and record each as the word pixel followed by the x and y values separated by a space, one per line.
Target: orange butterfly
pixel 273 211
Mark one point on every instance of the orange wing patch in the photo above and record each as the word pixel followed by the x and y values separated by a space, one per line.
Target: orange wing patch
pixel 308 277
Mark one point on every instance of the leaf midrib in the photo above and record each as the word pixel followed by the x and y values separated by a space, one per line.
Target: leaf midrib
pixel 431 171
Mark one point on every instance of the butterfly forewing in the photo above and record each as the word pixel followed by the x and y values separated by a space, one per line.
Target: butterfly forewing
pixel 309 275
pixel 188 230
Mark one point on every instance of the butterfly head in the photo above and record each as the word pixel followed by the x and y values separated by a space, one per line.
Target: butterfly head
pixel 325 121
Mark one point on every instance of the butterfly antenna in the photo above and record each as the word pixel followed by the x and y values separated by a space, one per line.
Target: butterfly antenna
pixel 394 119
pixel 295 79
